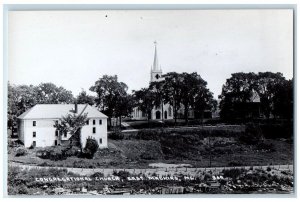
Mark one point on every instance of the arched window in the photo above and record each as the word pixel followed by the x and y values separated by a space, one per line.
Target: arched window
pixel 170 111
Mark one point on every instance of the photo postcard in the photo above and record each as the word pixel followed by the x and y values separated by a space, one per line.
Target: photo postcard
pixel 150 102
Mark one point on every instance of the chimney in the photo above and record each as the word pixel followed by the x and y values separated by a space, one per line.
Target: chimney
pixel 76 109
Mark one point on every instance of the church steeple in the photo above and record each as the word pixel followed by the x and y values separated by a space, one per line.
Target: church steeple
pixel 155 62
pixel 156 71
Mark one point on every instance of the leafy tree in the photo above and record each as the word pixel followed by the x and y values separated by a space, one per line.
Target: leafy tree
pixel 84 98
pixel 124 106
pixel 71 123
pixel 23 97
pixel 283 99
pixel 144 100
pixel 20 98
pixel 111 94
pixel 272 89
pixel 49 93
pixel 195 94
pixel 265 87
pixel 158 91
pixel 173 91
pixel 238 90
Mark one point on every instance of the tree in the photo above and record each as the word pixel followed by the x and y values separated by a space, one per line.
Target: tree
pixel 144 100
pixel 204 101
pixel 124 106
pixel 71 123
pixel 237 91
pixel 273 90
pixel 283 99
pixel 111 94
pixel 84 98
pixel 195 94
pixel 49 93
pixel 265 87
pixel 20 98
pixel 158 91
pixel 23 97
pixel 173 91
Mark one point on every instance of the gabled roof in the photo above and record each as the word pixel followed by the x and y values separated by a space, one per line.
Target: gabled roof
pixel 56 111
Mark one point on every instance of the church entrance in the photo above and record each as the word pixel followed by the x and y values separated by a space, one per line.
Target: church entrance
pixel 157 114
pixel 166 115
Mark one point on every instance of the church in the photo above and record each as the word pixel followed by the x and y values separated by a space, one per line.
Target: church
pixel 158 113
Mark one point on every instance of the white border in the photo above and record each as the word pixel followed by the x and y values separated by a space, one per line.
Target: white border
pixel 115 2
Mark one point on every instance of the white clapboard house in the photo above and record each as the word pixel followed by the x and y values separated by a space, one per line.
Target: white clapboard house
pixel 36 125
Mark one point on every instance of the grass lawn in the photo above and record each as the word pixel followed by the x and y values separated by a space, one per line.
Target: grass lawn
pixel 140 153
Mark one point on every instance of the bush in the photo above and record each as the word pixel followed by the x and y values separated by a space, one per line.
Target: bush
pixel 54 154
pixel 122 174
pixel 71 151
pixel 252 135
pixel 233 173
pixel 116 135
pixel 21 152
pixel 91 148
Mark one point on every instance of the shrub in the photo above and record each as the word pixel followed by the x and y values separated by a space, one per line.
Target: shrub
pixel 233 173
pixel 71 151
pixel 116 135
pixel 97 174
pixel 252 135
pixel 91 148
pixel 54 154
pixel 122 174
pixel 268 169
pixel 21 152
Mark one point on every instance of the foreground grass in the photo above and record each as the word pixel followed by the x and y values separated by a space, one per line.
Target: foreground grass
pixel 140 153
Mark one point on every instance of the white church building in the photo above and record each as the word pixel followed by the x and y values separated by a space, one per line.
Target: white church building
pixel 159 112
pixel 36 125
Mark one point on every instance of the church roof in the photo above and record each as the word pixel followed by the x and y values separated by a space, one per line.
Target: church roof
pixel 155 62
pixel 56 111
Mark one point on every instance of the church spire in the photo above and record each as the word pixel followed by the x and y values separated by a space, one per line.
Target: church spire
pixel 155 62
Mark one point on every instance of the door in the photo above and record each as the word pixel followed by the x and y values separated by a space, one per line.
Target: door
pixel 157 114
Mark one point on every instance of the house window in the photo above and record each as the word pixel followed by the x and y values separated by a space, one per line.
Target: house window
pixel 34 143
pixel 65 134
pixel 100 141
pixel 100 122
pixel 56 133
pixel 94 129
pixel 94 122
pixel 34 123
pixel 55 142
pixel 34 134
pixel 87 122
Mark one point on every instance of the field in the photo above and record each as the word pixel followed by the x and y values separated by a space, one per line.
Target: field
pixel 197 147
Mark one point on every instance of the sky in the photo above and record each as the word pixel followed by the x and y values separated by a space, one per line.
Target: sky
pixel 74 49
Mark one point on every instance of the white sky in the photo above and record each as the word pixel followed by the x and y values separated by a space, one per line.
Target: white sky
pixel 74 48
